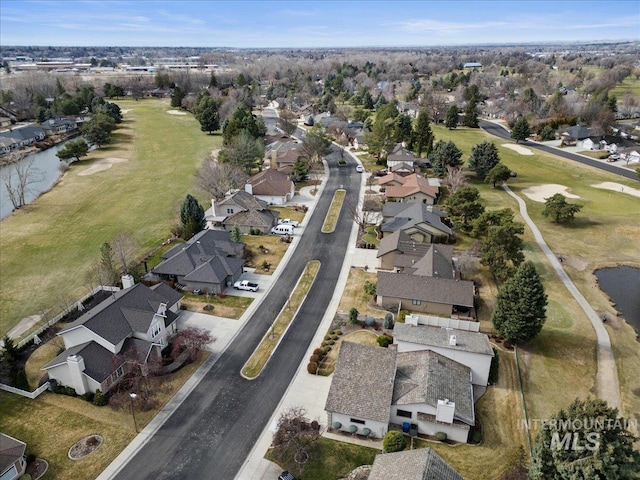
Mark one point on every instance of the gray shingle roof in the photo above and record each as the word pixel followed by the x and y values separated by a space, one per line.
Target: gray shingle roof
pixel 419 464
pixel 362 384
pixel 427 289
pixel 425 376
pixel 253 218
pixel 123 313
pixel 473 342
pixel 11 450
pixel 436 262
pixel 215 270
pixel 403 215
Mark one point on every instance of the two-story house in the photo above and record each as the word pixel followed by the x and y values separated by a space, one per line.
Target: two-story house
pixel 136 321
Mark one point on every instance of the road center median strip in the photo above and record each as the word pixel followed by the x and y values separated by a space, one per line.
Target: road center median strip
pixel 272 338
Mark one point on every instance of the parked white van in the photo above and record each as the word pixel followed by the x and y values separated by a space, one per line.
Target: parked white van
pixel 283 229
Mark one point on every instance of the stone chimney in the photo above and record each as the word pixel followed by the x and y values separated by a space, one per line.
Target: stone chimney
pixel 248 188
pixel 127 281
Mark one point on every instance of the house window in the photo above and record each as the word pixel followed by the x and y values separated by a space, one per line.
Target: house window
pixel 229 211
pixel 157 328
pixel 355 420
pixel 404 413
pixel 415 302
pixel 119 371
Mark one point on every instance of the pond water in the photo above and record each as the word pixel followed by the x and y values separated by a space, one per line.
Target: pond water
pixel 622 284
pixel 45 168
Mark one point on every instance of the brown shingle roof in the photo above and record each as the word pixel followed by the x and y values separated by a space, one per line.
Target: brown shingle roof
pixel 427 289
pixel 412 185
pixel 419 464
pixel 362 384
pixel 270 182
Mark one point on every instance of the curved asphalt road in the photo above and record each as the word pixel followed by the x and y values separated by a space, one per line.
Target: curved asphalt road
pixel 499 131
pixel 213 431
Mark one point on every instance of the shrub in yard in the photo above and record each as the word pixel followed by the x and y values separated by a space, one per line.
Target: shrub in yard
pixel 402 315
pixel 369 321
pixel 388 321
pixel 370 288
pixel 312 368
pixel 326 349
pixel 384 340
pixel 476 436
pixel 494 368
pixel 30 458
pixel 331 342
pixel 314 359
pixel 26 476
pixel 327 336
pixel 338 332
pixel 100 399
pixel 353 316
pixel 394 441
pixel 88 397
pixel 317 351
pixel 334 337
pixel 62 390
pixel 441 436
pixel 20 380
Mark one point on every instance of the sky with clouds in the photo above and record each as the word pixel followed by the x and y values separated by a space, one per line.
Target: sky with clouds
pixel 305 24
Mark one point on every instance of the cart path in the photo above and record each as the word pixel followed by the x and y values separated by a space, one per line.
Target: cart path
pixel 607 384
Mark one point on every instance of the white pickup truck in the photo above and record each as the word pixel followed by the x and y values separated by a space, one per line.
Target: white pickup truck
pixel 246 285
pixel 288 221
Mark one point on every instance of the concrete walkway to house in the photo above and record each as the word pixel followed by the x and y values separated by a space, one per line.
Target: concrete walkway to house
pixel 607 384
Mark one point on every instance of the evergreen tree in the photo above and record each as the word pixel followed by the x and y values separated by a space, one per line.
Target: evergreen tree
pixel 74 149
pixel 464 206
pixel 451 119
pixel 521 130
pixel 402 128
pixel 191 217
pixel 484 157
pixel 300 170
pixel 422 138
pixel 471 115
pixel 521 305
pixel 559 210
pixel 444 154
pixel 606 445
pixel 498 174
pixel 97 131
pixel 244 151
pixel 501 249
pixel 236 234
pixel 241 119
pixel 207 113
pixel 177 96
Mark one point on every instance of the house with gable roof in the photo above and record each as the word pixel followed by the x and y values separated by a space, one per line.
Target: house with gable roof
pixel 410 188
pixel 417 464
pixel 12 459
pixel 135 322
pixel 271 186
pixel 243 210
pixel 374 387
pixel 400 156
pixel 422 222
pixel 210 261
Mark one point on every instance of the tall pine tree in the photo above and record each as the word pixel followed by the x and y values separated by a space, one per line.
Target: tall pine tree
pixel 191 217
pixel 484 157
pixel 521 305
pixel 422 137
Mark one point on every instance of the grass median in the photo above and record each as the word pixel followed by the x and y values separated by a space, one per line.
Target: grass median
pixel 331 220
pixel 259 358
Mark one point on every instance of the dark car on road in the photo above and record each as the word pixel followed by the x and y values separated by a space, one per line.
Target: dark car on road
pixel 286 476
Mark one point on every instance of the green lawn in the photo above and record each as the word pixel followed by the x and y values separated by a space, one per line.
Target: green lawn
pixel 560 363
pixel 629 86
pixel 49 247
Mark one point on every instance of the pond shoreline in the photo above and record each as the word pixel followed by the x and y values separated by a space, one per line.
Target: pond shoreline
pixel 616 281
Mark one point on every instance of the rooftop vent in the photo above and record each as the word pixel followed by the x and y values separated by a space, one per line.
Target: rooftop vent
pixel 452 340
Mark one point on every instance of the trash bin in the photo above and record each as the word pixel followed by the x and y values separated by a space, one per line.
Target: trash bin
pixel 405 427
pixel 413 430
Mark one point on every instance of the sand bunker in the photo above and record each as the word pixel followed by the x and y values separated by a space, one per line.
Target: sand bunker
pixel 176 112
pixel 101 165
pixel 518 148
pixel 618 187
pixel 541 192
pixel 126 110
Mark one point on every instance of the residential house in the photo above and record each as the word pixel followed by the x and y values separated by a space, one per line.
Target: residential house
pixel 422 222
pixel 433 295
pixel 135 322
pixel 59 126
pixel 399 252
pixel 410 188
pixel 374 387
pixel 400 155
pixel 468 348
pixel 281 153
pixel 472 65
pixel 418 464
pixel 573 134
pixel 630 155
pixel 243 210
pixel 409 108
pixel 210 261
pixel 271 186
pixel 24 136
pixel 12 459
pixel 7 145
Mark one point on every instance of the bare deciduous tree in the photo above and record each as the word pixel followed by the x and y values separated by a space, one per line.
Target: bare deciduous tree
pixel 455 179
pixel 193 340
pixel 18 177
pixel 288 121
pixel 295 433
pixel 124 249
pixel 361 217
pixel 217 179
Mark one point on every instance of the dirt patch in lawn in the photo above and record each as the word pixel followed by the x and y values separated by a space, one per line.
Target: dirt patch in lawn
pixel 100 166
pixel 85 446
pixel 540 193
pixel 176 112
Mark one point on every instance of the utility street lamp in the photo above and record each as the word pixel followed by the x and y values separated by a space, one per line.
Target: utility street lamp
pixel 133 396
